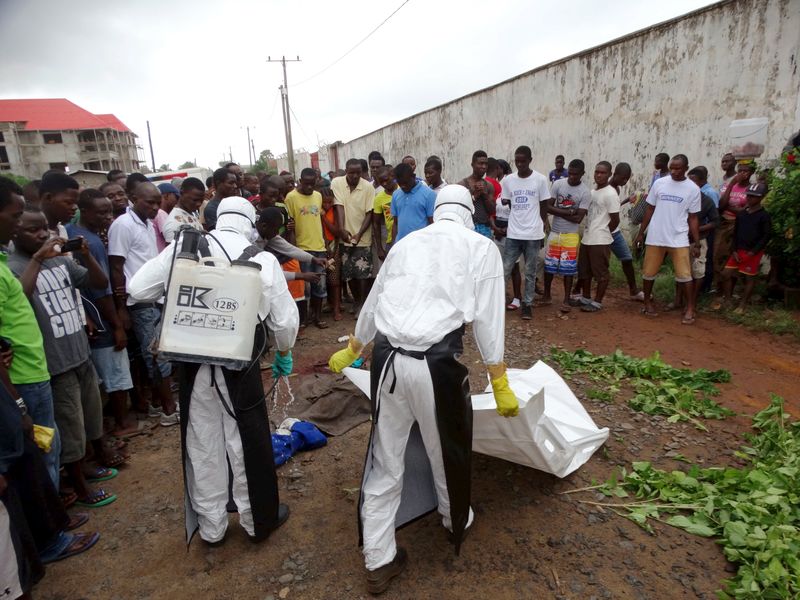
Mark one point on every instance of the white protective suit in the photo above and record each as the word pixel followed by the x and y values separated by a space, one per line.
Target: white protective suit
pixel 211 433
pixel 433 282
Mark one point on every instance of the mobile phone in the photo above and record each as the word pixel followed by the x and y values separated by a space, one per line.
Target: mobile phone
pixel 72 245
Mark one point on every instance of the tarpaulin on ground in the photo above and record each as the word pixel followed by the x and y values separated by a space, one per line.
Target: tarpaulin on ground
pixel 552 433
pixel 329 401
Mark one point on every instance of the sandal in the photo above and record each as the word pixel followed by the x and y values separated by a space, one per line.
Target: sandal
pixel 141 427
pixel 591 307
pixel 565 308
pixel 687 321
pixel 80 542
pixel 99 474
pixel 96 499
pixel 68 498
pixel 115 460
pixel 321 324
pixel 649 313
pixel 76 520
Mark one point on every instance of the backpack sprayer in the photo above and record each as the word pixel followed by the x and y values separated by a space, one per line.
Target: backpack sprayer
pixel 210 306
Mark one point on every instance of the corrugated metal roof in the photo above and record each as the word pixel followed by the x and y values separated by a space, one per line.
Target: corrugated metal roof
pixel 55 114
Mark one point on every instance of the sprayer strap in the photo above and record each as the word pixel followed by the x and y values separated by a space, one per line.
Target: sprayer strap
pixel 250 252
pixel 219 393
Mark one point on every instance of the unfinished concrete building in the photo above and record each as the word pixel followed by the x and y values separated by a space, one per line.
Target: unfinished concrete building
pixel 53 133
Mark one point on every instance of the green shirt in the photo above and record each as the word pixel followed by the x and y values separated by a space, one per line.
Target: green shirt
pixel 18 325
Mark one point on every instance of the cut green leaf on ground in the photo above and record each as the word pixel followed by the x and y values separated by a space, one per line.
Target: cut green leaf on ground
pixel 659 388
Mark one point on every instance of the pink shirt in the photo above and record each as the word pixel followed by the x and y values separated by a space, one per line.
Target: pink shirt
pixel 737 199
pixel 158 224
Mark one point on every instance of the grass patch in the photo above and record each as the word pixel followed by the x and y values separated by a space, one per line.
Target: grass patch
pixel 769 316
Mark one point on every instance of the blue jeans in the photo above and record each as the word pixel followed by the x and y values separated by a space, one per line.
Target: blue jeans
pixel 318 290
pixel 38 398
pixel 143 322
pixel 530 249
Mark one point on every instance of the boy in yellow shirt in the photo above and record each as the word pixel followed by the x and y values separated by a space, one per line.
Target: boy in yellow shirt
pixel 304 205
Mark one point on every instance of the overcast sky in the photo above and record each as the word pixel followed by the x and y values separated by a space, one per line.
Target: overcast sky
pixel 197 69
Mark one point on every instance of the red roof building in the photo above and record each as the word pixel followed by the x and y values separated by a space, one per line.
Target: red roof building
pixel 53 133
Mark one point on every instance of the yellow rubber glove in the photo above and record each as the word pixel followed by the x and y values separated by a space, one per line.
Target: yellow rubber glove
pixel 506 400
pixel 344 358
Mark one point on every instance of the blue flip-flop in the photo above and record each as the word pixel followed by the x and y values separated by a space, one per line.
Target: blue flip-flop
pixel 102 474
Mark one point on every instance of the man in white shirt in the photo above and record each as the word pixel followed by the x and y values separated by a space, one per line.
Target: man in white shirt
pixel 672 218
pixel 602 219
pixel 433 174
pixel 131 243
pixel 527 194
pixel 186 210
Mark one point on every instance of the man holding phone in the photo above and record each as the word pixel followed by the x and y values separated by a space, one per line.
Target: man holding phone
pixel 51 280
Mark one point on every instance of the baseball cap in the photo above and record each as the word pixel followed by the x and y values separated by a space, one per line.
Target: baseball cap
pixel 757 189
pixel 168 188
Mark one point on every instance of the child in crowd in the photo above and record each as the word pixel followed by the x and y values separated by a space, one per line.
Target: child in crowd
pixel 750 236
pixel 334 272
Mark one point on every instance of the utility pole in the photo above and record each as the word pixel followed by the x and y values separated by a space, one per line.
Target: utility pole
pixel 287 121
pixel 230 153
pixel 150 140
pixel 249 144
pixel 253 147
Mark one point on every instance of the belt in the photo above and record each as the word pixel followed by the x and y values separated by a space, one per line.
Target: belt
pixel 143 305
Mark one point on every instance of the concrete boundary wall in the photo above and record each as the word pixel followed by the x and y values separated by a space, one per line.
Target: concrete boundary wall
pixel 673 87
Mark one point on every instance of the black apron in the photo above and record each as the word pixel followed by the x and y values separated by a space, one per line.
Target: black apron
pixel 454 422
pixel 249 407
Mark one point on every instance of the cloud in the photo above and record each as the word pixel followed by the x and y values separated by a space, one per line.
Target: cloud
pixel 197 70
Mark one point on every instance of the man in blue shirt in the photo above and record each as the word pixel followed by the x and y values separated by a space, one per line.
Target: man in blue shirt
pixel 412 203
pixel 107 338
pixel 559 172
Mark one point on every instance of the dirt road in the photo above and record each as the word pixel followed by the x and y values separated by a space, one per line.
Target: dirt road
pixel 528 540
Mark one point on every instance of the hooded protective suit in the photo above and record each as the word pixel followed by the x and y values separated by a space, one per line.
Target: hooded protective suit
pixel 433 282
pixel 223 412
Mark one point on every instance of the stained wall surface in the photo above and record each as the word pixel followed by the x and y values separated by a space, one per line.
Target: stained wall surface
pixel 674 87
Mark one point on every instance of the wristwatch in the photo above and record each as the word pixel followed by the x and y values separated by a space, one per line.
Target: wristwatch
pixel 23 408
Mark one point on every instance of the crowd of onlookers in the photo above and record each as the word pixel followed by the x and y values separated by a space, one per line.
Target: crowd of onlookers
pixel 77 361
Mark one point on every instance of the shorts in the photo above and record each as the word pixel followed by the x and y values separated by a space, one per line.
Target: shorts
pixel 620 247
pixel 319 289
pixel 78 409
pixel 699 262
pixel 561 254
pixel 356 262
pixel 593 262
pixel 144 318
pixel 113 368
pixel 654 258
pixel 746 265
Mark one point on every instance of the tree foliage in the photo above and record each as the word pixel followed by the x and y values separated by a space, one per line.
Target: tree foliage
pixel 264 162
pixel 188 165
pixel 783 205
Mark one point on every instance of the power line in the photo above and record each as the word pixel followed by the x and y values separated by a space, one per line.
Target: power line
pixel 299 123
pixel 381 24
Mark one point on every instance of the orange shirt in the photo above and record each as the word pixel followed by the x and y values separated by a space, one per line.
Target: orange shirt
pixel 330 218
pixel 297 287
